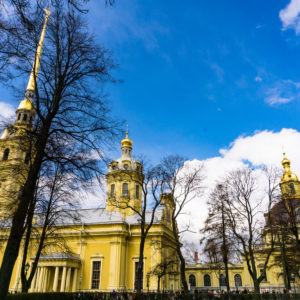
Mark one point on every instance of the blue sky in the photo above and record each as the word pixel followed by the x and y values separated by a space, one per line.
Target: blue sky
pixel 199 74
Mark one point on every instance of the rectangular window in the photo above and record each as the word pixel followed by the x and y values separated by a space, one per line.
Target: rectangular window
pixel 137 191
pixel 112 190
pixel 125 190
pixel 96 275
pixel 136 264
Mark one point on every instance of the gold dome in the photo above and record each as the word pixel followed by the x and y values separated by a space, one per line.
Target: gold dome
pixel 26 104
pixel 127 142
pixel 288 174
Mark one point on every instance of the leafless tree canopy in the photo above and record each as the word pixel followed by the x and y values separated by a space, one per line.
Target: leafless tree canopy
pixel 245 214
pixel 73 124
pixel 183 181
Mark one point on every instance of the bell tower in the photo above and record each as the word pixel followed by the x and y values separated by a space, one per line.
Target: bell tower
pixel 124 181
pixel 290 185
pixel 15 145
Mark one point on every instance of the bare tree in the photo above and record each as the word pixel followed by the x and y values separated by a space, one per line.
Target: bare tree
pixel 54 201
pixel 183 182
pixel 244 210
pixel 217 240
pixel 68 109
pixel 167 266
pixel 286 252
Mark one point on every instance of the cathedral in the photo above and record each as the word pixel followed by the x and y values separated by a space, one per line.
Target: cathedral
pixel 104 242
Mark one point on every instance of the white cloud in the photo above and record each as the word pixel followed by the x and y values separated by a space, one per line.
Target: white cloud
pixel 289 16
pixel 258 79
pixel 261 148
pixel 7 111
pixel 219 72
pixel 283 91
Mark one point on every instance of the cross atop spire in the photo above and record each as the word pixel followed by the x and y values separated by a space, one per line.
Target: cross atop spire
pixel 127 131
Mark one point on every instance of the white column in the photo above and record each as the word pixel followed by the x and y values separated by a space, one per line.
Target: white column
pixel 55 280
pixel 68 281
pixel 45 281
pixel 74 285
pixel 63 280
pixel 32 286
pixel 39 286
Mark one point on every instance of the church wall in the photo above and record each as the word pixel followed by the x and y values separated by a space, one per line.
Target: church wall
pixel 113 245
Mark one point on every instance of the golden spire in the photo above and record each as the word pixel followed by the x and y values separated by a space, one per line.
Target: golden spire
pixel 35 68
pixel 288 174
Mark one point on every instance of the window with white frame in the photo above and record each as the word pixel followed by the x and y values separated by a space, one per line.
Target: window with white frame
pixel 125 190
pixel 96 267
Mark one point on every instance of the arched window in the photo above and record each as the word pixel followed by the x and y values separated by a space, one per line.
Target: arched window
pixel 168 213
pixel 27 158
pixel 5 154
pixel 222 280
pixel 137 191
pixel 25 117
pixel 125 190
pixel 207 281
pixel 30 119
pixel 237 280
pixel 192 280
pixel 292 187
pixel 19 117
pixel 112 190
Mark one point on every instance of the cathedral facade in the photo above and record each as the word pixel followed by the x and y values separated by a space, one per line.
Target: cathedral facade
pixel 103 243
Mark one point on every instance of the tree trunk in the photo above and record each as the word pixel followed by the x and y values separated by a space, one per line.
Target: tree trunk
pixel 256 289
pixel 181 258
pixel 284 267
pixel 158 284
pixel 140 266
pixel 225 250
pixel 25 283
pixel 13 243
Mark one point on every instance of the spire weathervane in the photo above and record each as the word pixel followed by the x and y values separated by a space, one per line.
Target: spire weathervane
pixel 35 68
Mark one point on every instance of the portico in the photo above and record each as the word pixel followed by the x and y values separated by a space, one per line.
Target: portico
pixel 56 273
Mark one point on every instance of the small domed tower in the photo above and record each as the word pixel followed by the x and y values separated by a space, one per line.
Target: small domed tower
pixel 25 114
pixel 290 185
pixel 124 181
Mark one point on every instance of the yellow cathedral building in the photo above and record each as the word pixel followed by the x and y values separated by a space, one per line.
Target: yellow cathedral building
pixel 104 243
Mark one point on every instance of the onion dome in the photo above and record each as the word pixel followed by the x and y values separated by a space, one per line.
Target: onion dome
pixel 288 175
pixel 127 142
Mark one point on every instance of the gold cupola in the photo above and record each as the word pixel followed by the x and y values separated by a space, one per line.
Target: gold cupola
pixel 288 175
pixel 127 142
pixel 126 146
